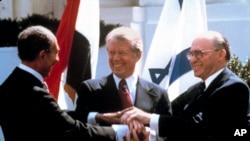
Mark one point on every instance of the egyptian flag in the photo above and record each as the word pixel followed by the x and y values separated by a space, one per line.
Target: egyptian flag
pixel 78 38
pixel 64 36
pixel 78 69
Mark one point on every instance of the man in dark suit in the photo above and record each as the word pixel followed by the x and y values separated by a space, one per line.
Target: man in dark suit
pixel 27 111
pixel 215 113
pixel 99 101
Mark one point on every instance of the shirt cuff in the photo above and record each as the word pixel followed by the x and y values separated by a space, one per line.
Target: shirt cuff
pixel 154 123
pixel 121 130
pixel 91 118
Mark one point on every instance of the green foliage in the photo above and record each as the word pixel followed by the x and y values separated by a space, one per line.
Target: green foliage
pixel 9 31
pixel 11 28
pixel 36 19
pixel 242 69
pixel 105 29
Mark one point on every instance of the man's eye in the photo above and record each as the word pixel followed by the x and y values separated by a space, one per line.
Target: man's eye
pixel 111 53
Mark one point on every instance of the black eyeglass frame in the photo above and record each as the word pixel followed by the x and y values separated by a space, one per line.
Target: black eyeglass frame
pixel 198 53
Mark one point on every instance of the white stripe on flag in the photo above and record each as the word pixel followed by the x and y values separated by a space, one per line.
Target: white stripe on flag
pixel 88 24
pixel 160 51
pixel 192 21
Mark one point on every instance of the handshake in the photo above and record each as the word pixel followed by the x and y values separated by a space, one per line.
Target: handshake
pixel 133 117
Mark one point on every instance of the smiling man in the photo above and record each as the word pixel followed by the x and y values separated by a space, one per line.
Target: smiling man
pixel 99 100
pixel 213 110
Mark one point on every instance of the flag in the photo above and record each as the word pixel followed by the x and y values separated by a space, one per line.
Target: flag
pixel 166 63
pixel 84 53
pixel 192 21
pixel 64 36
pixel 88 24
pixel 160 52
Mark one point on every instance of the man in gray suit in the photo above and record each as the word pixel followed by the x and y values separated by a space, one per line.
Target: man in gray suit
pixel 98 99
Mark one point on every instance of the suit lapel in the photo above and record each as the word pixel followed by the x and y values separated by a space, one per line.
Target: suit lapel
pixel 112 93
pixel 195 103
pixel 144 94
pixel 217 82
pixel 186 102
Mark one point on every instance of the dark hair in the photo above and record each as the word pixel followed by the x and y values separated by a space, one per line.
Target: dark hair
pixel 32 40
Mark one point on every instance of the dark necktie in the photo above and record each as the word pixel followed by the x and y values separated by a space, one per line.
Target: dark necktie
pixel 202 87
pixel 124 94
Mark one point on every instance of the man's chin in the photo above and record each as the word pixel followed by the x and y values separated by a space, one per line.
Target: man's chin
pixel 196 74
pixel 119 74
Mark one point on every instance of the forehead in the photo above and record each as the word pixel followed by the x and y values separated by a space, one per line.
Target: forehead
pixel 118 44
pixel 202 43
pixel 54 45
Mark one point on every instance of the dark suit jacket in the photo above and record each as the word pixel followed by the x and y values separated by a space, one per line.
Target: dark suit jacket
pixel 30 115
pixel 215 115
pixel 101 95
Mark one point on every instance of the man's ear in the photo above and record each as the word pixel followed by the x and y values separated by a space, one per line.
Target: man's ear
pixel 138 55
pixel 223 54
pixel 42 54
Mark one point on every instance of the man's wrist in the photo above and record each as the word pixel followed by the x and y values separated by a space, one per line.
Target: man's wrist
pixel 154 121
pixel 92 118
pixel 121 130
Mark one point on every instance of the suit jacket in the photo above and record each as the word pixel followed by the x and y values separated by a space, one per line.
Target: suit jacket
pixel 101 95
pixel 31 115
pixel 215 115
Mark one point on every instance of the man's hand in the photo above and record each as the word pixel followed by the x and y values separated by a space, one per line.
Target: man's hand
pixel 138 135
pixel 115 117
pixel 133 113
pixel 110 118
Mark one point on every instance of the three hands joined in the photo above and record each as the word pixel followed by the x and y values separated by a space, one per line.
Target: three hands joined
pixel 134 118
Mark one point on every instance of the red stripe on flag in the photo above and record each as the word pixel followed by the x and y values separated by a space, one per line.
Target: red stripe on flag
pixel 64 36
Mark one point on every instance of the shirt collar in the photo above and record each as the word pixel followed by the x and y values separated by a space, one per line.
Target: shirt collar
pixel 31 71
pixel 209 80
pixel 131 81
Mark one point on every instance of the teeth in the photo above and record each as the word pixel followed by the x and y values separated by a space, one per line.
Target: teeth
pixel 118 65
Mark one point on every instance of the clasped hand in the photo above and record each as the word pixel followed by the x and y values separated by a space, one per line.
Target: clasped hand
pixel 133 117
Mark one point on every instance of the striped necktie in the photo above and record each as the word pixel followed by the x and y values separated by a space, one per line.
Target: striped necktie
pixel 124 94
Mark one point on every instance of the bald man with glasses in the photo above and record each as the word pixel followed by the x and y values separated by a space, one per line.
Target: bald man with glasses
pixel 213 110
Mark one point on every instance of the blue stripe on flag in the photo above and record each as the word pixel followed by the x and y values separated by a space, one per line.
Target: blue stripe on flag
pixel 181 66
pixel 161 73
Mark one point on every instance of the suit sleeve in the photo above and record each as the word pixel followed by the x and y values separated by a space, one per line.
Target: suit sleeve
pixel 164 104
pixel 64 126
pixel 217 113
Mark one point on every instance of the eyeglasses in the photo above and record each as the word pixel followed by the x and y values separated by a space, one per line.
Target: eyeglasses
pixel 197 53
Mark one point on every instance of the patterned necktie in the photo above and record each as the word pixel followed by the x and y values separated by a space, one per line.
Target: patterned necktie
pixel 124 94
